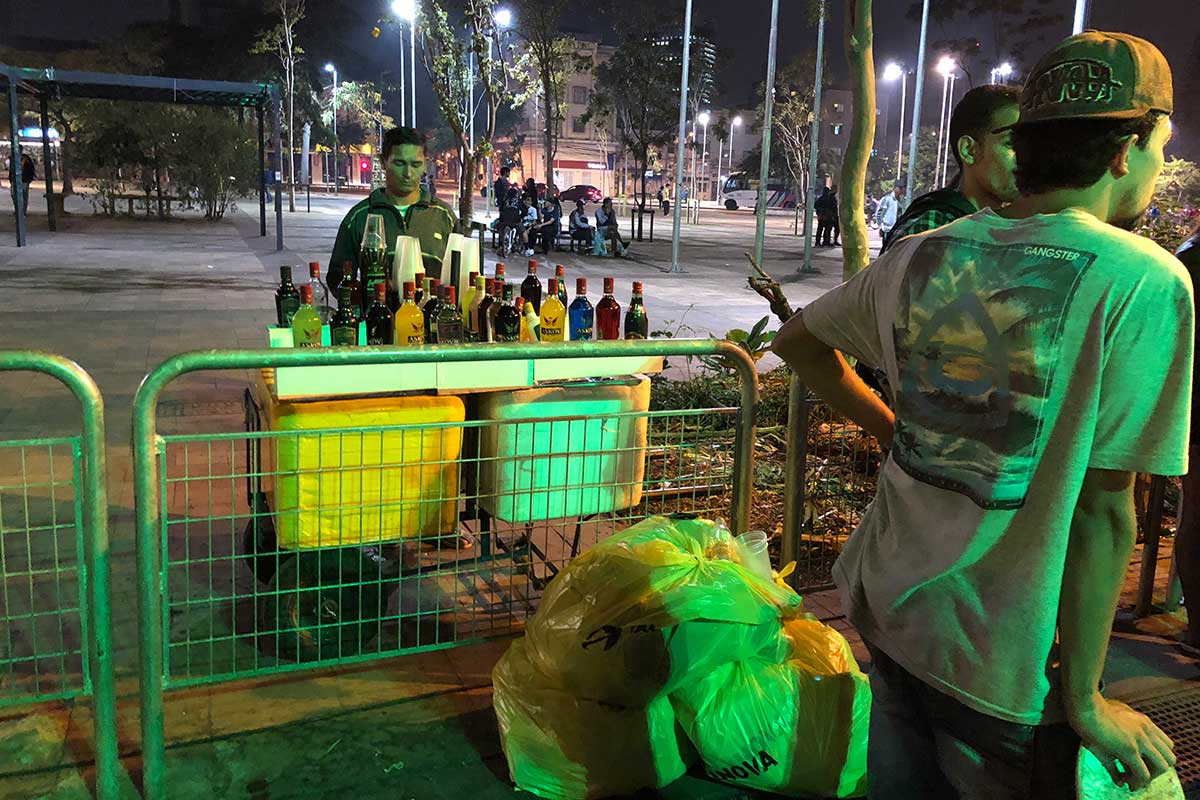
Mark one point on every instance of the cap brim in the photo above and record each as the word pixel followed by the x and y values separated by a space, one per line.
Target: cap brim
pixel 1132 113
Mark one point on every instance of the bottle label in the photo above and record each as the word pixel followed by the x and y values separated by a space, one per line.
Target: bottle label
pixel 288 307
pixel 550 334
pixel 449 332
pixel 581 333
pixel 377 340
pixel 508 337
pixel 344 337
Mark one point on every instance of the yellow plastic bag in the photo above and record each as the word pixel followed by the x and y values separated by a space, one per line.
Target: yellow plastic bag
pixel 651 609
pixel 796 728
pixel 559 746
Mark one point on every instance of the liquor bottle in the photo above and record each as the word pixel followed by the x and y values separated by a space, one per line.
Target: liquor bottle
pixel 477 294
pixel 560 272
pixel 508 318
pixel 455 275
pixel 499 271
pixel 581 314
pixel 321 300
pixel 373 256
pixel 343 326
pixel 449 322
pixel 350 279
pixel 306 324
pixel 553 318
pixel 531 287
pixel 410 321
pixel 287 299
pixel 494 307
pixel 608 313
pixel 483 331
pixel 420 286
pixel 530 324
pixel 433 305
pixel 381 324
pixel 469 297
pixel 637 326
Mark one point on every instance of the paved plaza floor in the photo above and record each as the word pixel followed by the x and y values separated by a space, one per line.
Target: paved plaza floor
pixel 119 295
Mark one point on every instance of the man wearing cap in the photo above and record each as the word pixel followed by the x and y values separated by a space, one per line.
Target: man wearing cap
pixel 1041 356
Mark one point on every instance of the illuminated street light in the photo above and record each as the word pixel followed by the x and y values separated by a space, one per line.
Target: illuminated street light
pixel 1004 71
pixel 890 73
pixel 333 69
pixel 503 17
pixel 945 67
pixel 405 9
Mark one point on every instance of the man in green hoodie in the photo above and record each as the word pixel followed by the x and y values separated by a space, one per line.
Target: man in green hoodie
pixel 406 209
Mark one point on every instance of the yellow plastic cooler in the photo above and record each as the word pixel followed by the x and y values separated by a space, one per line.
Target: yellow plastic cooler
pixel 337 482
pixel 535 469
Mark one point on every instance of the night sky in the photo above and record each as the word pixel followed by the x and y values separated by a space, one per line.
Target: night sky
pixel 741 31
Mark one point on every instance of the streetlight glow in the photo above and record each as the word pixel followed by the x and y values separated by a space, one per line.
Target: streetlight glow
pixel 946 66
pixel 405 9
pixel 702 118
pixel 737 121
pixel 329 68
pixel 503 17
pixel 892 72
pixel 1004 70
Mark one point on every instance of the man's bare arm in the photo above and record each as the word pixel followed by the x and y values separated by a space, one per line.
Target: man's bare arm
pixel 1103 530
pixel 825 371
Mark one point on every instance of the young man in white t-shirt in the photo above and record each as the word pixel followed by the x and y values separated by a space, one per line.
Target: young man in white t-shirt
pixel 1041 356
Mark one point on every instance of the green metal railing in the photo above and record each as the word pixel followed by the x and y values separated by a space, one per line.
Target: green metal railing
pixel 54 565
pixel 267 551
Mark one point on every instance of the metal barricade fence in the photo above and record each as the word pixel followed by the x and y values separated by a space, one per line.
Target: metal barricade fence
pixel 55 614
pixel 272 550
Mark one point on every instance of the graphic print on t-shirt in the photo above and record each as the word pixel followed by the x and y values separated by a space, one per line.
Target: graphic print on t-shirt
pixel 977 336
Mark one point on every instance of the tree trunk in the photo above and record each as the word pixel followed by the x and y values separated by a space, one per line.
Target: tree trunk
pixel 466 185
pixel 64 164
pixel 860 59
pixel 548 137
pixel 158 183
pixel 291 160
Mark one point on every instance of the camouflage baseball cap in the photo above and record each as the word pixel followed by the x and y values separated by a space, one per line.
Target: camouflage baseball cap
pixel 1097 75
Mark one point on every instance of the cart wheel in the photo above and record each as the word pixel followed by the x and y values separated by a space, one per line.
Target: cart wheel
pixel 315 608
pixel 259 545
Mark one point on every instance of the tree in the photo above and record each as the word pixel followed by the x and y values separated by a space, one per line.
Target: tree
pixel 445 60
pixel 1179 183
pixel 859 39
pixel 280 41
pixel 358 115
pixel 792 121
pixel 542 69
pixel 635 94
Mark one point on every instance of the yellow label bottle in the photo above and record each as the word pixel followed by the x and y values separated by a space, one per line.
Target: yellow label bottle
pixel 410 322
pixel 554 316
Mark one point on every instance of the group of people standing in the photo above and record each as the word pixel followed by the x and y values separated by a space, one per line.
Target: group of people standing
pixel 1033 355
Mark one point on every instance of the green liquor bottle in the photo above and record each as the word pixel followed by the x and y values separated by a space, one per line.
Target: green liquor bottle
pixel 637 324
pixel 343 326
pixel 287 299
pixel 306 324
pixel 381 324
pixel 507 327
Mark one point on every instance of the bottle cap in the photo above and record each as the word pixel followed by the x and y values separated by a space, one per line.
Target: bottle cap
pixel 410 288
pixel 520 303
pixel 499 270
pixel 449 292
pixel 637 287
pixel 609 285
pixel 472 276
pixel 554 286
pixel 419 278
pixel 380 291
pixel 306 294
pixel 434 283
pixel 490 286
pixel 560 271
pixel 285 272
pixel 581 286
pixel 532 266
pixel 499 284
pixel 314 268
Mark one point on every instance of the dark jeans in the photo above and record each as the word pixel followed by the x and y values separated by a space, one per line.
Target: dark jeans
pixel 549 236
pixel 925 745
pixel 825 227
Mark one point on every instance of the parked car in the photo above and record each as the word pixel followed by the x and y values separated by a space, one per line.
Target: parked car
pixel 581 191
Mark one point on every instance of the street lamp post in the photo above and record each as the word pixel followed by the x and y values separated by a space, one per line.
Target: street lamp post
pixel 683 93
pixel 503 19
pixel 333 69
pixel 703 120
pixel 733 126
pixel 890 73
pixel 406 11
pixel 945 68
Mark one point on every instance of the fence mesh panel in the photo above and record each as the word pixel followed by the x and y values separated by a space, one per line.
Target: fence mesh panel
pixel 285 549
pixel 42 630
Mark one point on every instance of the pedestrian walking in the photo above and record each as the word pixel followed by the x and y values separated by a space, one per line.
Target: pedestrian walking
pixel 888 211
pixel 1041 357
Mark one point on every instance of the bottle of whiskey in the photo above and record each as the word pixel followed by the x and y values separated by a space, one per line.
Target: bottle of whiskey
pixel 350 279
pixel 343 326
pixel 560 272
pixel 287 299
pixel 381 324
pixel 581 315
pixel 322 302
pixel 410 321
pixel 449 321
pixel 483 331
pixel 494 307
pixel 420 286
pixel 306 324
pixel 608 313
pixel 553 320
pixel 508 318
pixel 637 325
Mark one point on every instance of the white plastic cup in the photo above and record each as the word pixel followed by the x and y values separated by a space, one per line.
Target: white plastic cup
pixel 755 558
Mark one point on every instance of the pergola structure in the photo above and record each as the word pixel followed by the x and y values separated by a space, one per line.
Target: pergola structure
pixel 54 84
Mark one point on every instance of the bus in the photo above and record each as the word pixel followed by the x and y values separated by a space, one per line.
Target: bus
pixel 741 191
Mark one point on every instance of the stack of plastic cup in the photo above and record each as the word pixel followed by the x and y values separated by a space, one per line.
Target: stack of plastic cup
pixel 406 262
pixel 469 261
pixel 753 548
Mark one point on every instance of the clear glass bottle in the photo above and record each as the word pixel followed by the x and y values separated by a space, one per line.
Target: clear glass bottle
pixel 449 322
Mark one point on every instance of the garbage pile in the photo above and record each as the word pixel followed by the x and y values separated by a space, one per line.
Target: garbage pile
pixel 663 647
